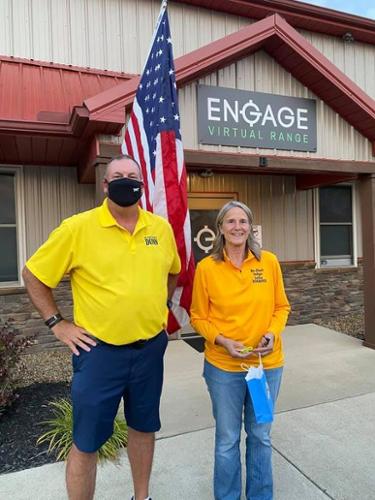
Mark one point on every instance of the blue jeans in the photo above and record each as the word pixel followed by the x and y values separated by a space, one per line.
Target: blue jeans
pixel 230 402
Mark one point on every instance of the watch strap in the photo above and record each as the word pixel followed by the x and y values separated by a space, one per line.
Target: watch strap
pixel 53 320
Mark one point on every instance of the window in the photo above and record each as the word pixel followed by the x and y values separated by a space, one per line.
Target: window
pixel 336 233
pixel 9 238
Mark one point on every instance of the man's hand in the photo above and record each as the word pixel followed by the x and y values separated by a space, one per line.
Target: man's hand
pixel 265 345
pixel 233 347
pixel 73 336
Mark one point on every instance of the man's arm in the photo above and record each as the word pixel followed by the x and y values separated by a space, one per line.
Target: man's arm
pixel 42 298
pixel 172 283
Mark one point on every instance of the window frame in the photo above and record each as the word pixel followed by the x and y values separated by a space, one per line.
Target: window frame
pixel 19 198
pixel 318 258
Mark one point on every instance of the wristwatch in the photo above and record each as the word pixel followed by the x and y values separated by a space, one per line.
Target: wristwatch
pixel 53 320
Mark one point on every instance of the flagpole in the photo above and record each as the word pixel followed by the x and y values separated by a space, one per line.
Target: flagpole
pixel 163 8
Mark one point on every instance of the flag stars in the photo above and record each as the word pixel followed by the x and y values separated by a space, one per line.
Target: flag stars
pixel 157 67
pixel 176 117
pixel 169 39
pixel 154 96
pixel 162 119
pixel 161 99
pixel 156 81
pixel 154 152
pixel 171 71
pixel 141 86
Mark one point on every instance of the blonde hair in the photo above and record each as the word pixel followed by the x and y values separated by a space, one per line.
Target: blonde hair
pixel 219 242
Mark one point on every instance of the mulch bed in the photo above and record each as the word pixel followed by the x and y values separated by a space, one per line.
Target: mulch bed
pixel 21 426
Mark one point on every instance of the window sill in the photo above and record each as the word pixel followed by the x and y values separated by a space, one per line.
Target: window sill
pixel 338 269
pixel 15 289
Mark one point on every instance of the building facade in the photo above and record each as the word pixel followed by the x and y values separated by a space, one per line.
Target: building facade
pixel 300 76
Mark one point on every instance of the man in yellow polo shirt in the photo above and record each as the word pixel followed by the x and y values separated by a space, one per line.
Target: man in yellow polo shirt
pixel 123 265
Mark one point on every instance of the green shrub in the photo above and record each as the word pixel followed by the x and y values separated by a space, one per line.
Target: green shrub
pixel 60 434
pixel 11 347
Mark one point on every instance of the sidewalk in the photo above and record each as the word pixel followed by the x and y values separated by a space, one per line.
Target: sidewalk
pixel 323 436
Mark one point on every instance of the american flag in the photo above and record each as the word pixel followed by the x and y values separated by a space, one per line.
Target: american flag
pixel 153 138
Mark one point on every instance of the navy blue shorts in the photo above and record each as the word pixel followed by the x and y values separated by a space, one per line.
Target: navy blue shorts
pixel 108 373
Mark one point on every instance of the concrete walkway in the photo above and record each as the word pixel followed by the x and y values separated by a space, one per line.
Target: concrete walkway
pixel 323 436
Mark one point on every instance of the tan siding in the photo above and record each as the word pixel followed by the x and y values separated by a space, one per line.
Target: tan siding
pixel 356 60
pixel 336 138
pixel 104 34
pixel 51 195
pixel 286 215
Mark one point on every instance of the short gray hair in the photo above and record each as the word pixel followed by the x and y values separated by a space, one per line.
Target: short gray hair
pixel 219 242
pixel 122 157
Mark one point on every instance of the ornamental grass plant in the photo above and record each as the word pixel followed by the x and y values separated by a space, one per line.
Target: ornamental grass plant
pixel 11 347
pixel 59 436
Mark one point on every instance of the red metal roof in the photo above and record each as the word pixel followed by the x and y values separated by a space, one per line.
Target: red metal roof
pixel 40 91
pixel 290 49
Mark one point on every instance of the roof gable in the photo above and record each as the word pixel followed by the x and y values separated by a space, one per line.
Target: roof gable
pixel 281 41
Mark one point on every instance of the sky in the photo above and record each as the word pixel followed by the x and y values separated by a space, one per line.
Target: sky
pixel 364 8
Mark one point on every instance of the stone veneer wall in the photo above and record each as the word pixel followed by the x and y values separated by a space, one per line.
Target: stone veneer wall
pixel 322 293
pixel 16 305
pixel 313 294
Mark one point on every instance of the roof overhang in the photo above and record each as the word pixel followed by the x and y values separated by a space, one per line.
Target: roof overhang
pixel 299 14
pixel 282 42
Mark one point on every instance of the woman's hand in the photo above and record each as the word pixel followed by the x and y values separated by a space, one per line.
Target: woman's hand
pixel 232 346
pixel 265 345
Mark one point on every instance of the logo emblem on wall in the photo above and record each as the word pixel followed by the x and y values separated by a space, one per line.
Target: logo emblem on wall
pixel 204 239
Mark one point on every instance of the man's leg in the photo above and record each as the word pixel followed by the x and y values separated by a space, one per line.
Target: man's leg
pixel 141 406
pixel 98 383
pixel 140 452
pixel 81 474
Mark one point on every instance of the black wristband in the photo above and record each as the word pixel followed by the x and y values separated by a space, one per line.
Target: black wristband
pixel 53 320
pixel 169 304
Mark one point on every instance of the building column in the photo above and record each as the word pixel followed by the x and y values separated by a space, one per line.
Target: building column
pixel 99 174
pixel 367 194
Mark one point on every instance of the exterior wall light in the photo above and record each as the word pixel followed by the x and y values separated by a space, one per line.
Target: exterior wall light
pixel 206 173
pixel 263 161
pixel 348 37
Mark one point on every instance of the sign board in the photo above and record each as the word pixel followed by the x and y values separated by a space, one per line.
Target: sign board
pixel 235 117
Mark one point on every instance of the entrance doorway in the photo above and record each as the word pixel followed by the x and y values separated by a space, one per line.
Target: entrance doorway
pixel 203 208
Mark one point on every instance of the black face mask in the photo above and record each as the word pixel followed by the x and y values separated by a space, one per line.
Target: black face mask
pixel 125 191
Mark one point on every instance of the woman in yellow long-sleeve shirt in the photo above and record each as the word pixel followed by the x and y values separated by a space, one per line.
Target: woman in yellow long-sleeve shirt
pixel 239 301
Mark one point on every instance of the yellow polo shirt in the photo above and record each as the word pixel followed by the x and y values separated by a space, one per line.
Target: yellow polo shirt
pixel 241 304
pixel 119 280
